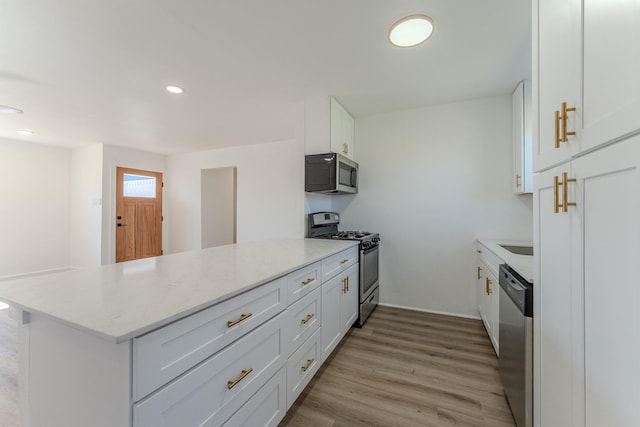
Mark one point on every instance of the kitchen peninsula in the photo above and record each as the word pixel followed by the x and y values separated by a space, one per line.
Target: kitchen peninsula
pixel 215 336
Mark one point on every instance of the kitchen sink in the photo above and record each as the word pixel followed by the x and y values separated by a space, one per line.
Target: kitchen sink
pixel 519 250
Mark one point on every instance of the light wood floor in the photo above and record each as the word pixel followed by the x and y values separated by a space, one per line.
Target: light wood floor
pixel 407 368
pixel 404 368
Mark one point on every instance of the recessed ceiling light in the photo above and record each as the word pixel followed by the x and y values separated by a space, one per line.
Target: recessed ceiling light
pixel 411 30
pixel 10 110
pixel 25 132
pixel 175 89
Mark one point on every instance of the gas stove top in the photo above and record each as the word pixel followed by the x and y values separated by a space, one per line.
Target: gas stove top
pixel 324 225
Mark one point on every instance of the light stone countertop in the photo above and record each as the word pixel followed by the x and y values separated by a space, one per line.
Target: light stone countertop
pixel 118 302
pixel 522 264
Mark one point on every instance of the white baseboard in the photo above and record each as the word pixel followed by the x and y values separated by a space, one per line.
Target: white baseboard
pixel 466 316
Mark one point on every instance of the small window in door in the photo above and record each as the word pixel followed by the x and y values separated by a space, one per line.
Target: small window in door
pixel 139 186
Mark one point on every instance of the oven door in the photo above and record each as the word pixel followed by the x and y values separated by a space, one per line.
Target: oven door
pixel 368 271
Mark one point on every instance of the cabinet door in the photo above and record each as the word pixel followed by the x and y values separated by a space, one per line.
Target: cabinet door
pixel 554 304
pixel 522 138
pixel 611 39
pixel 342 130
pixel 349 300
pixel 557 76
pixel 331 330
pixel 608 197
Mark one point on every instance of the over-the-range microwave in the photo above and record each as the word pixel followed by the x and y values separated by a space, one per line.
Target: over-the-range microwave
pixel 330 173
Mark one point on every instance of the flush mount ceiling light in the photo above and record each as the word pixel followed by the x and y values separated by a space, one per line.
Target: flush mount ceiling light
pixel 25 132
pixel 9 110
pixel 411 30
pixel 175 89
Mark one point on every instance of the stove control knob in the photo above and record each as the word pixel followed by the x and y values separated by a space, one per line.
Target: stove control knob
pixel 376 239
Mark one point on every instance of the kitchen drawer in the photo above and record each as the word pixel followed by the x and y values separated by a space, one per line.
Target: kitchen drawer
pixel 267 407
pixel 303 281
pixel 302 366
pixel 162 355
pixel 202 396
pixel 301 320
pixel 339 262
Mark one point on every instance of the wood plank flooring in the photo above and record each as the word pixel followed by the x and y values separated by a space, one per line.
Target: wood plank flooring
pixel 404 368
pixel 407 368
pixel 8 371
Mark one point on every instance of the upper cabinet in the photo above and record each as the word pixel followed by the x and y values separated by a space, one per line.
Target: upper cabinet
pixel 342 130
pixel 522 139
pixel 587 76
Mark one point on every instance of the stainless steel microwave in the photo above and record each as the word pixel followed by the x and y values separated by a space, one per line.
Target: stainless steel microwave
pixel 330 173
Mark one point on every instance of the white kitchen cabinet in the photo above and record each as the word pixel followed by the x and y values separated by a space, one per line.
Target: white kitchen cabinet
pixel 342 130
pixel 302 366
pixel 213 391
pixel 586 339
pixel 522 138
pixel 488 293
pixel 588 56
pixel 302 319
pixel 339 308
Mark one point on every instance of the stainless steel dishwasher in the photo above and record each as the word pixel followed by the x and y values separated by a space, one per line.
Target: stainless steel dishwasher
pixel 516 344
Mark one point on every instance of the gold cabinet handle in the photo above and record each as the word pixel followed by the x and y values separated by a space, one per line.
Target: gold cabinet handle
pixel 306 282
pixel 344 261
pixel 564 118
pixel 232 383
pixel 345 148
pixel 518 183
pixel 557 129
pixel 308 365
pixel 306 319
pixel 565 191
pixel 488 286
pixel 556 198
pixel 243 316
pixel 344 285
pixel 347 283
pixel 479 275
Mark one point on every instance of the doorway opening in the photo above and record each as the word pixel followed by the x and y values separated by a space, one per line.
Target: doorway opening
pixel 218 207
pixel 138 214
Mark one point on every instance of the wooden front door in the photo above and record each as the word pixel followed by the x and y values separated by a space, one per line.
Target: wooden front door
pixel 138 214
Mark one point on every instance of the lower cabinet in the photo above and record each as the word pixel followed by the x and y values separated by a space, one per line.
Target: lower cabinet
pixel 265 408
pixel 488 294
pixel 302 366
pixel 213 391
pixel 339 308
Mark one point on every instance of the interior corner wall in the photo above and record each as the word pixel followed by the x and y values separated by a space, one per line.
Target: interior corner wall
pixel 113 157
pixel 270 192
pixel 432 180
pixel 86 206
pixel 35 191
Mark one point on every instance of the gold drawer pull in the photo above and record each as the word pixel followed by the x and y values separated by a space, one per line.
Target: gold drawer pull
pixel 243 316
pixel 308 365
pixel 518 184
pixel 344 261
pixel 565 191
pixel 479 274
pixel 488 286
pixel 243 374
pixel 564 119
pixel 309 317
pixel 557 128
pixel 306 282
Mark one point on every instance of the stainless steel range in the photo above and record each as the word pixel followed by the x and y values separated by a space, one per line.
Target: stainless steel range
pixel 324 225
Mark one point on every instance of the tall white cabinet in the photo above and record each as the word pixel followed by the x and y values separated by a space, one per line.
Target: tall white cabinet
pixel 587 213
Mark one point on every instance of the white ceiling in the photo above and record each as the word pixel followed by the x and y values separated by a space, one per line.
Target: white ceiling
pixel 94 71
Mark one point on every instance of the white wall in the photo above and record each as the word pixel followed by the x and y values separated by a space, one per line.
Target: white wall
pixel 35 200
pixel 86 206
pixel 218 197
pixel 432 180
pixel 270 192
pixel 114 156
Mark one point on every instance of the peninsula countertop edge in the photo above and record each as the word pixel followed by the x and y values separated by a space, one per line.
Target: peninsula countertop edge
pixel 118 302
